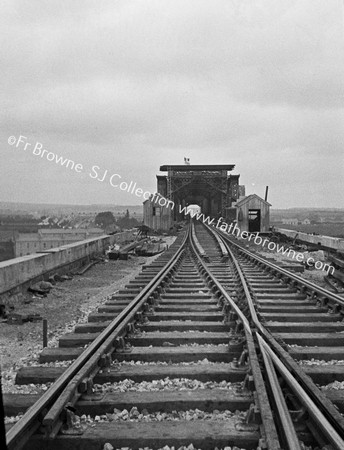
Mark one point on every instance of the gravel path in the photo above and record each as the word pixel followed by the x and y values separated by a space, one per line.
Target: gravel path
pixel 68 304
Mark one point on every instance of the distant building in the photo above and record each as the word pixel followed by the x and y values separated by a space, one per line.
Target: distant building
pixel 306 222
pixel 46 239
pixel 290 221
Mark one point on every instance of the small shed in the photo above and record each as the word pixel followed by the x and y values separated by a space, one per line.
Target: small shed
pixel 157 213
pixel 253 214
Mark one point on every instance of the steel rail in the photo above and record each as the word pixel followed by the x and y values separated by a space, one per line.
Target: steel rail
pixel 284 415
pixel 200 249
pixel 252 309
pixel 313 287
pixel 194 245
pixel 311 407
pixel 223 248
pixel 286 421
pixel 319 400
pixel 19 434
pixel 266 415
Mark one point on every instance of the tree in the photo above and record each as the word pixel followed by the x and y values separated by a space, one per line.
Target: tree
pixel 104 219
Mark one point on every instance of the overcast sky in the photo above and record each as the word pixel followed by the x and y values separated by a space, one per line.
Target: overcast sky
pixel 130 85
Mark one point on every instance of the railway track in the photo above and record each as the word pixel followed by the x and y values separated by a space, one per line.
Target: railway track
pixel 303 323
pixel 183 355
pixel 306 318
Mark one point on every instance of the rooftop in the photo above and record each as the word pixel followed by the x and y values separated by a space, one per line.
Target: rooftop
pixel 197 168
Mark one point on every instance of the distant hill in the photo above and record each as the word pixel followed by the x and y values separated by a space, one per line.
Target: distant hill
pixel 313 214
pixel 60 209
pixel 308 209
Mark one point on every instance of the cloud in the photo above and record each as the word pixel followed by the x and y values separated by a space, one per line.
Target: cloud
pixel 130 85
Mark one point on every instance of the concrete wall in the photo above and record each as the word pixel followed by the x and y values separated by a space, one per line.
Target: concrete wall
pixel 18 273
pixel 44 239
pixel 326 241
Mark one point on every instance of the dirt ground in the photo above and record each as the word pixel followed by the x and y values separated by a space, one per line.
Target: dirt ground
pixel 69 303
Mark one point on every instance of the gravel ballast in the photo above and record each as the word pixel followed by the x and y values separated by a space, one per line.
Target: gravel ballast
pixel 67 305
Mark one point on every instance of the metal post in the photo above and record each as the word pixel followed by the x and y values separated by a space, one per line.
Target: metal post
pixel 45 333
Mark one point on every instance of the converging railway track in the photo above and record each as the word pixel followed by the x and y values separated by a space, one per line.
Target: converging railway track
pixel 203 348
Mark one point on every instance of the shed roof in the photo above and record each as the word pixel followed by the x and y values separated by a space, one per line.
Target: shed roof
pixel 250 197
